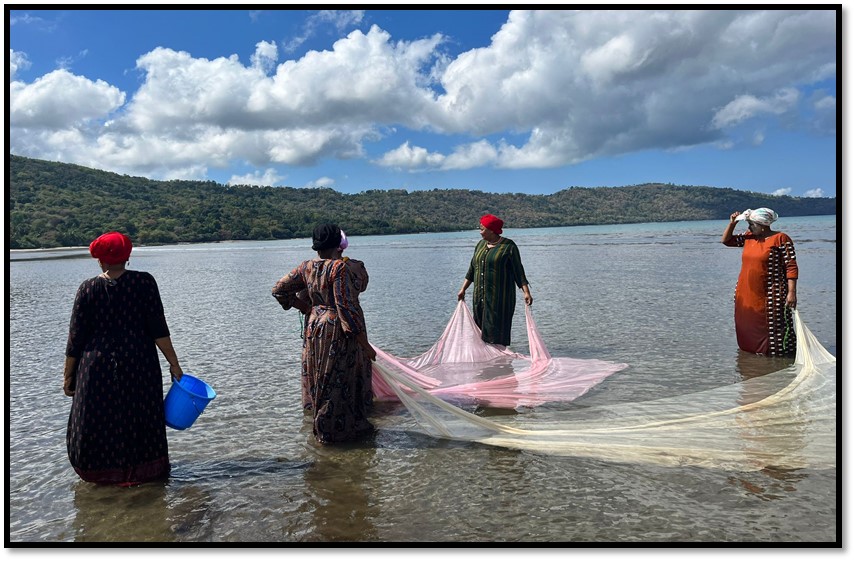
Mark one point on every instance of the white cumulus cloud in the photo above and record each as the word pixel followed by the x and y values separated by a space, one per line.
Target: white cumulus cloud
pixel 340 19
pixel 814 193
pixel 267 178
pixel 573 85
pixel 747 106
pixel 321 182
pixel 265 56
pixel 473 155
pixel 61 99
pixel 826 103
pixel 597 83
pixel 411 157
pixel 17 61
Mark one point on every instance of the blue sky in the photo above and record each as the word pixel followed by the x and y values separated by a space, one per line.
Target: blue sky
pixel 491 100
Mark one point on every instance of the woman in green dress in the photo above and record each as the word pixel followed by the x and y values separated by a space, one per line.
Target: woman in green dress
pixel 495 268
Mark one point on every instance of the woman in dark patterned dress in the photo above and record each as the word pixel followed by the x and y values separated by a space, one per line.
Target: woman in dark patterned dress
pixel 496 268
pixel 766 286
pixel 336 356
pixel 116 430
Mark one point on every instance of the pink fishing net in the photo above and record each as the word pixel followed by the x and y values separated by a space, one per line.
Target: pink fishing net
pixel 460 367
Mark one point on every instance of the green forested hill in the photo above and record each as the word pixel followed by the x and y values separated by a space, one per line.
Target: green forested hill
pixel 54 204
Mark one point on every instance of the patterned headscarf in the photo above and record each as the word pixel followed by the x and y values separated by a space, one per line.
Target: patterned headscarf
pixel 763 216
pixel 111 248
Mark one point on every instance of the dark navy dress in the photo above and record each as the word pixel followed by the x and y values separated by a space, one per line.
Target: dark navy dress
pixel 116 430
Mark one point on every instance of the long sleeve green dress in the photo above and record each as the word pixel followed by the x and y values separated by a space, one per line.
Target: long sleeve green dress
pixel 496 273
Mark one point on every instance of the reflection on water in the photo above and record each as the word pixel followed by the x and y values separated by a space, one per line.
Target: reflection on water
pixel 233 468
pixel 106 513
pixel 249 471
pixel 338 500
pixel 770 483
pixel 750 365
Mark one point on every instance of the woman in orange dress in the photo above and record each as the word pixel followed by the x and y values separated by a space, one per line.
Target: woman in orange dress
pixel 766 285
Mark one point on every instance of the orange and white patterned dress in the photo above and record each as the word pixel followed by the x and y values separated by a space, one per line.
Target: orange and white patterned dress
pixel 763 324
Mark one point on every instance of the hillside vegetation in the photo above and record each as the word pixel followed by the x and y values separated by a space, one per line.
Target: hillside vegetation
pixel 53 204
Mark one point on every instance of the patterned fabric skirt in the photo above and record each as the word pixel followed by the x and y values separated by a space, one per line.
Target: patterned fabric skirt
pixel 116 429
pixel 336 381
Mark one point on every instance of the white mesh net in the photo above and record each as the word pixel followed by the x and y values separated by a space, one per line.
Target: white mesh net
pixel 786 419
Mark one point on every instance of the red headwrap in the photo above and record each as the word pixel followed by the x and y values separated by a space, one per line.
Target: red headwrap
pixel 111 248
pixel 493 223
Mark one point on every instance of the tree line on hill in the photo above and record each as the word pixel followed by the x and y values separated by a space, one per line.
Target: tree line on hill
pixel 52 204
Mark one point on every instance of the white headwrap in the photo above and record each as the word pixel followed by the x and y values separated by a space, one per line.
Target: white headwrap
pixel 763 216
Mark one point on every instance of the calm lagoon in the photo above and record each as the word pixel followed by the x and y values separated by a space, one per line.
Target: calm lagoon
pixel 655 296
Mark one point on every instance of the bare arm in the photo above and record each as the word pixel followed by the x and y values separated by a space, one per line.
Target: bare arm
pixel 791 293
pixel 462 294
pixel 362 339
pixel 70 376
pixel 527 294
pixel 301 304
pixel 165 346
pixel 728 230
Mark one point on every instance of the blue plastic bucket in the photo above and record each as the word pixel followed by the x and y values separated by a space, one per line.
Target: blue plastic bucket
pixel 185 401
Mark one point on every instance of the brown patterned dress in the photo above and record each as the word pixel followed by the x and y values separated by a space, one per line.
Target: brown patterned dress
pixel 763 324
pixel 336 372
pixel 116 430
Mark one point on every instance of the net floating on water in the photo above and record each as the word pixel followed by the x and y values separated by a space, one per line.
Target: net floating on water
pixel 784 420
pixel 461 367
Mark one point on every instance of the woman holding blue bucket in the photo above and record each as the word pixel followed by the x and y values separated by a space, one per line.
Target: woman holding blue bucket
pixel 116 429
pixel 336 366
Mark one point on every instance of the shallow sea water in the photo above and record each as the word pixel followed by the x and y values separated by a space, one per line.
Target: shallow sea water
pixel 656 296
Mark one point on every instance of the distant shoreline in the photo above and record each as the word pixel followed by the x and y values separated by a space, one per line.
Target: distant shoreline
pixel 45 253
pixel 70 200
pixel 76 251
pixel 71 248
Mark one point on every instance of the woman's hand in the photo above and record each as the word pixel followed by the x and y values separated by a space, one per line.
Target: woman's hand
pixel 69 376
pixel 362 339
pixel 791 300
pixel 165 346
pixel 176 372
pixel 728 230
pixel 284 301
pixel 462 294
pixel 304 307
